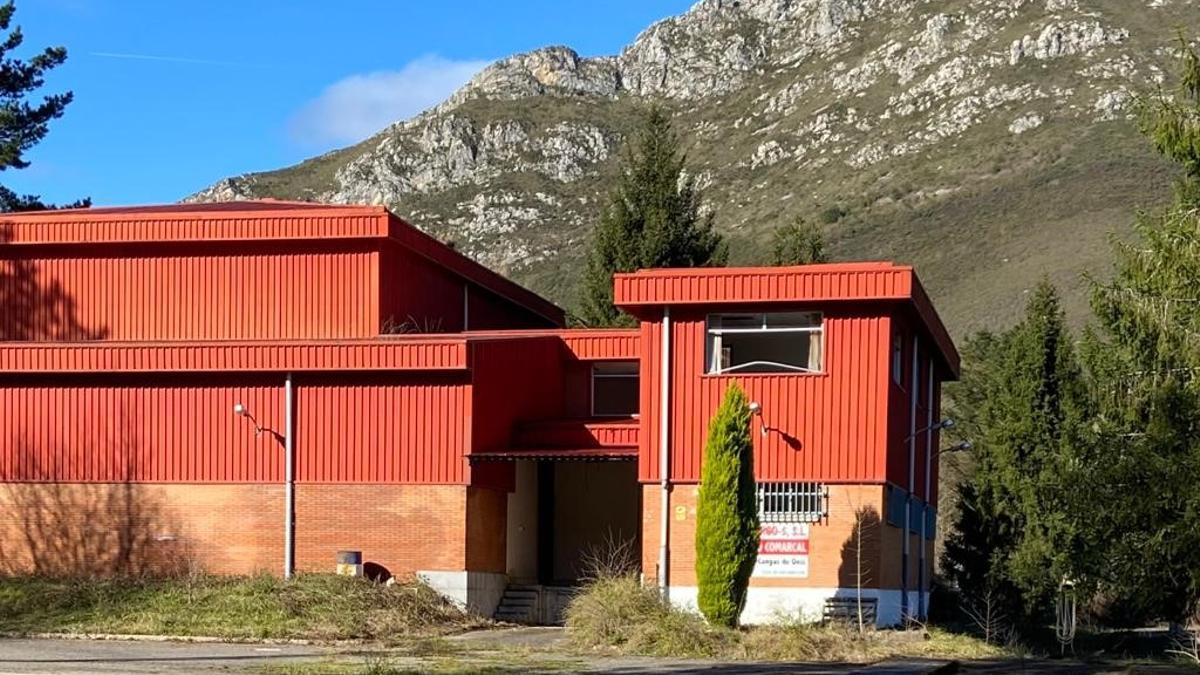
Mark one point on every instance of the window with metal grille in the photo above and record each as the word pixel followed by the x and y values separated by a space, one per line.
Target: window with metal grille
pixel 792 502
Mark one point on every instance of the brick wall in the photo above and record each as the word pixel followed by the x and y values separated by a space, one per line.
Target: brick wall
pixel 227 528
pixel 486 530
pixel 833 558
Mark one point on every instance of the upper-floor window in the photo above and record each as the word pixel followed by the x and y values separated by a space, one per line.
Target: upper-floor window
pixel 615 388
pixel 780 342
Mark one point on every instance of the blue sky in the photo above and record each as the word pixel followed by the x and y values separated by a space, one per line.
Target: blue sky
pixel 173 95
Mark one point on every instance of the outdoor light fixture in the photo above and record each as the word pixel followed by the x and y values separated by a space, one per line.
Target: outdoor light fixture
pixel 242 411
pixel 756 410
pixel 944 424
pixel 961 446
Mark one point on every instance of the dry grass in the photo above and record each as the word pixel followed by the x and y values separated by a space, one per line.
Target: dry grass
pixel 312 606
pixel 618 614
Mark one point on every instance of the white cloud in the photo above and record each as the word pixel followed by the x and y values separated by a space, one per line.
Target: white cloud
pixel 355 107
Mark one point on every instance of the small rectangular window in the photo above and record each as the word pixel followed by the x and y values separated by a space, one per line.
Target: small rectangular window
pixel 792 502
pixel 615 389
pixel 897 504
pixel 782 342
pixel 897 360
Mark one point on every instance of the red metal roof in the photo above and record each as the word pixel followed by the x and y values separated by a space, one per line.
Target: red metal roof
pixel 638 292
pixel 585 344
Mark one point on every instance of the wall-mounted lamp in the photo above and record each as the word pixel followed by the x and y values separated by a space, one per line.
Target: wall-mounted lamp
pixel 944 424
pixel 242 411
pixel 756 411
pixel 961 446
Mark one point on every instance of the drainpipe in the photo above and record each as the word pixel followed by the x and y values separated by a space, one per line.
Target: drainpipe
pixel 912 478
pixel 664 456
pixel 923 578
pixel 466 306
pixel 289 478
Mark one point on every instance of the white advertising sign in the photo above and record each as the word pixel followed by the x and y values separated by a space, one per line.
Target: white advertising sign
pixel 782 550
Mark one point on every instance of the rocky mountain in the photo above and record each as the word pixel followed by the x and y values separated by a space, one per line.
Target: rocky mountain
pixel 989 142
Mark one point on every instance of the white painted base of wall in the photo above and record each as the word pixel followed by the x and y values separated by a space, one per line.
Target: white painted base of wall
pixel 775 605
pixel 479 592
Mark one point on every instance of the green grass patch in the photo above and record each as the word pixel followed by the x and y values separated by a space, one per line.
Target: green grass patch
pixel 311 606
pixel 618 615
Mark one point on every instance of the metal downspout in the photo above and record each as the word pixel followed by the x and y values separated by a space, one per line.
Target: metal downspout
pixel 664 456
pixel 923 578
pixel 289 464
pixel 912 478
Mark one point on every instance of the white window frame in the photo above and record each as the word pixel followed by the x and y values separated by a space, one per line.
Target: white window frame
pixel 636 374
pixel 792 501
pixel 712 343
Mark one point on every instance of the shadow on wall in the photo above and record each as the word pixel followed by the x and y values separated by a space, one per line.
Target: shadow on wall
pixel 860 556
pixel 32 308
pixel 65 529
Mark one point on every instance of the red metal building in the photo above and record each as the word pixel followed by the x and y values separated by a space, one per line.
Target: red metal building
pixel 438 417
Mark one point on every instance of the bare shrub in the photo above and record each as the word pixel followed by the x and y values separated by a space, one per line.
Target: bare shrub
pixel 612 557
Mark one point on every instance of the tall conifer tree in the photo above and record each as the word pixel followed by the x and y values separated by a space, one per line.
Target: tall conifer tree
pixel 23 125
pixel 1024 402
pixel 1145 361
pixel 653 220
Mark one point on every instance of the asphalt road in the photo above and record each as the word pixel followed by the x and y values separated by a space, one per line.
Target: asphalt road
pixel 112 656
pixel 100 657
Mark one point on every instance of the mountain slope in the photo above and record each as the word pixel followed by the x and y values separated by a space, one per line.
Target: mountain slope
pixel 986 141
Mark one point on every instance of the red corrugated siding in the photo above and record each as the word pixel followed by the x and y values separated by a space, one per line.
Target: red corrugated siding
pixel 253 291
pixel 349 428
pixel 139 430
pixel 408 431
pixel 838 418
pixel 513 381
pixel 644 292
pixel 382 354
pixel 415 292
pixel 489 312
pixel 598 345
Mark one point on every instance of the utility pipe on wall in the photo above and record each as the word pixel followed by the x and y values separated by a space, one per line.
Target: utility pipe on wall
pixel 664 456
pixel 289 471
pixel 912 477
pixel 923 573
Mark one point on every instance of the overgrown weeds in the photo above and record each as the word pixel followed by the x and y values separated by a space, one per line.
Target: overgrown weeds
pixel 618 614
pixel 311 606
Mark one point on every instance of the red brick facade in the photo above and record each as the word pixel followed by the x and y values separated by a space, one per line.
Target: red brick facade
pixel 238 529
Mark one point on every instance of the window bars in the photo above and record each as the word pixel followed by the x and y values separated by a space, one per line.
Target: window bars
pixel 792 502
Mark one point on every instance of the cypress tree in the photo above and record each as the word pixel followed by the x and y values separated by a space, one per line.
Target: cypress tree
pixel 653 220
pixel 727 526
pixel 798 243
